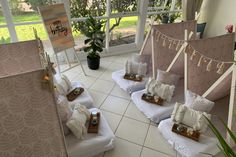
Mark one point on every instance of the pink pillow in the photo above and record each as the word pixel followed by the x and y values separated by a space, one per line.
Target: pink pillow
pixel 167 78
pixel 197 102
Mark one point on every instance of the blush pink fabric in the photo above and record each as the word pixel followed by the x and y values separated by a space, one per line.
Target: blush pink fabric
pixel 200 80
pixel 163 56
pixel 16 58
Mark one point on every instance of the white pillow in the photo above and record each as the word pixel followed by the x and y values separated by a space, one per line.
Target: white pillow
pixel 150 86
pixel 192 118
pixel 167 77
pixel 63 85
pixel 198 103
pixel 164 91
pixel 157 88
pixel 64 111
pixel 136 68
pixel 78 120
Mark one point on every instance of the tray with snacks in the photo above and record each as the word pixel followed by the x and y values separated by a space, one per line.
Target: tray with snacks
pixel 94 121
pixel 74 93
pixel 133 77
pixel 152 99
pixel 185 131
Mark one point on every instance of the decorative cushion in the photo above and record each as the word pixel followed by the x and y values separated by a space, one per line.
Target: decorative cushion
pixel 63 85
pixel 201 28
pixel 160 89
pixel 198 103
pixel 136 68
pixel 78 120
pixel 167 78
pixel 65 112
pixel 192 118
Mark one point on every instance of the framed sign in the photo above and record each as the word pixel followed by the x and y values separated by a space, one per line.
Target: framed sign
pixel 57 26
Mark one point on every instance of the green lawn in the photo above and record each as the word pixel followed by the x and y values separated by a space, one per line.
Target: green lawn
pixel 25 32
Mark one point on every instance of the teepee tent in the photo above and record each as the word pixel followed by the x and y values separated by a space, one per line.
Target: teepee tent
pixel 30 124
pixel 162 44
pixel 211 73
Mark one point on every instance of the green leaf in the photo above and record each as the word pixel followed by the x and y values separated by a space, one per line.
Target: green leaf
pixel 229 131
pixel 87 41
pixel 226 148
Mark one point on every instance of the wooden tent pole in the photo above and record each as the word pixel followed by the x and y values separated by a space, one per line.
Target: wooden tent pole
pixel 153 55
pixel 147 36
pixel 185 64
pixel 232 104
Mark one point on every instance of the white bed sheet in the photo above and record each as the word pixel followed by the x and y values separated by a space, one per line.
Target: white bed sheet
pixel 154 112
pixel 128 85
pixel 185 146
pixel 92 144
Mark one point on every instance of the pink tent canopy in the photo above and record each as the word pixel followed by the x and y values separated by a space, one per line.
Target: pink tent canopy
pixel 163 55
pixel 29 122
pixel 199 79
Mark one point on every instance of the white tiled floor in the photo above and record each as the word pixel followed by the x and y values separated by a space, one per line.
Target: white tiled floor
pixel 136 136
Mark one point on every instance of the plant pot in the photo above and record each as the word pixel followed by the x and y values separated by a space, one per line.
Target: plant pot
pixel 93 63
pixel 165 19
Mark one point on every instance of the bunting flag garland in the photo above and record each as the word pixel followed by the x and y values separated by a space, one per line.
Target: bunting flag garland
pixel 176 44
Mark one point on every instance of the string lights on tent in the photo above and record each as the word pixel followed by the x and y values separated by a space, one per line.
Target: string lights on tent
pixel 220 65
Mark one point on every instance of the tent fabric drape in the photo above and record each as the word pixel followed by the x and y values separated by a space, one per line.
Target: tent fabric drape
pixel 190 7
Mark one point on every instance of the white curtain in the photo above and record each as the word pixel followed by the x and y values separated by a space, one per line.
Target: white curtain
pixel 190 7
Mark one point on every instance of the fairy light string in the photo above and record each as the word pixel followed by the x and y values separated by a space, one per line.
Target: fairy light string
pixel 176 44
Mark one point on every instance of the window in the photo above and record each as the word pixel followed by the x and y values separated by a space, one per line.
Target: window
pixel 125 32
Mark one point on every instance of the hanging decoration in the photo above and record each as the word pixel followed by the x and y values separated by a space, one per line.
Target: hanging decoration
pixel 220 65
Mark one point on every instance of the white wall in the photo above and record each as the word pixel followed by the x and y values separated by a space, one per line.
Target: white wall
pixel 218 14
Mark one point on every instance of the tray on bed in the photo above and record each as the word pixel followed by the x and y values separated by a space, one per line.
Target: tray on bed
pixel 133 77
pixel 152 99
pixel 75 93
pixel 91 127
pixel 182 130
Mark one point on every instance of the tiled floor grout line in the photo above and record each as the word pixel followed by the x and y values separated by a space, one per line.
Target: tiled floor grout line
pixel 144 140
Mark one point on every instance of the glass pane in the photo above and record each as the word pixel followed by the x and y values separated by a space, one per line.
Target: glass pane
pixel 122 6
pixel 26 10
pixel 4 36
pixel 79 36
pixel 2 18
pixel 25 32
pixel 156 5
pixel 125 32
pixel 82 8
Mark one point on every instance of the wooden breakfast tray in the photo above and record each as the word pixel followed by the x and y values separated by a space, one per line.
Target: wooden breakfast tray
pixel 93 128
pixel 151 99
pixel 133 77
pixel 74 93
pixel 194 136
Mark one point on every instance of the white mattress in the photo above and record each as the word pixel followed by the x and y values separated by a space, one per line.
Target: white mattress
pixel 128 85
pixel 155 112
pixel 92 144
pixel 185 146
pixel 84 99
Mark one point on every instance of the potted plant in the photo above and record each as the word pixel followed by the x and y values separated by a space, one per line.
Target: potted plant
pixel 92 29
pixel 223 145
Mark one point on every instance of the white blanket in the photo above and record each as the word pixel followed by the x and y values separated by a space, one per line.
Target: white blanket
pixel 128 85
pixel 185 146
pixel 155 112
pixel 92 144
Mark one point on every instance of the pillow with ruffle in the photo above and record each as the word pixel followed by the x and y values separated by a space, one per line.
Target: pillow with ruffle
pixel 157 88
pixel 78 120
pixel 192 118
pixel 65 112
pixel 136 68
pixel 63 85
